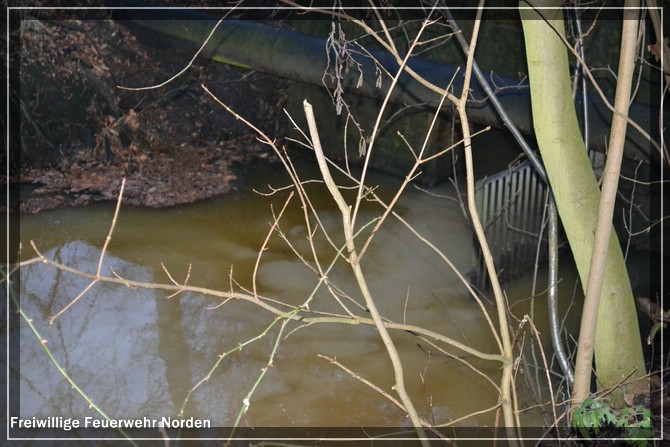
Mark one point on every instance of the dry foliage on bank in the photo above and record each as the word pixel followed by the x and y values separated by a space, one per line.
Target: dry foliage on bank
pixel 80 132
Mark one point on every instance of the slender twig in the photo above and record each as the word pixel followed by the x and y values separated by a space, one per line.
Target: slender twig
pixel 403 67
pixel 408 178
pixel 460 360
pixel 102 256
pixel 354 261
pixel 439 253
pixel 188 275
pixel 263 303
pixel 307 205
pixel 395 401
pixel 44 344
pixel 246 402
pixel 587 334
pixel 263 248
pixel 190 63
pixel 469 416
pixel 461 102
pixel 527 319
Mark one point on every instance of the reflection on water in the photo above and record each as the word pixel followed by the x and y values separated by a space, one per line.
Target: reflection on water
pixel 111 338
pixel 137 352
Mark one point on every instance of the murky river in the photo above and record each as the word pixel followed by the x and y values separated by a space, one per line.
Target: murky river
pixel 137 352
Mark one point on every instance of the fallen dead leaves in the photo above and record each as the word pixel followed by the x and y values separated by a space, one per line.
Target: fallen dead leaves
pixel 170 145
pixel 189 174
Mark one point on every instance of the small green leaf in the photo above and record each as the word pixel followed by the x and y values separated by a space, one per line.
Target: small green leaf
pixel 608 417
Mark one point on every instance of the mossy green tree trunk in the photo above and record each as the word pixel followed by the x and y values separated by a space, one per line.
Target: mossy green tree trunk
pixel 618 348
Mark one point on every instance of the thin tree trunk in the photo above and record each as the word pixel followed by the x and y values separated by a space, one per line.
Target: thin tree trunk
pixel 619 349
pixel 601 310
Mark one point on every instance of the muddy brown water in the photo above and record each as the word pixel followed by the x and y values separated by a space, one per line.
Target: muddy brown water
pixel 137 352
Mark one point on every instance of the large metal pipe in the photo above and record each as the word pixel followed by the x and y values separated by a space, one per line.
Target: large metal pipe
pixel 301 57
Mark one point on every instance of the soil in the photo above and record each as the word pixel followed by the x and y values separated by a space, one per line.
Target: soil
pixel 81 134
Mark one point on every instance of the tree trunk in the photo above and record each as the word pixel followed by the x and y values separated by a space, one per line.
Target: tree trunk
pixel 618 345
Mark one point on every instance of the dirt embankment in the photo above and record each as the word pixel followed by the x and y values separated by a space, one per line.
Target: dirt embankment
pixel 81 134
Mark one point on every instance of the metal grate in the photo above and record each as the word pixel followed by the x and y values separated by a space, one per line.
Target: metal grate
pixel 510 205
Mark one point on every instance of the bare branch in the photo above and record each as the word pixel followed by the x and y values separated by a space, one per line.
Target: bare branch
pixel 102 256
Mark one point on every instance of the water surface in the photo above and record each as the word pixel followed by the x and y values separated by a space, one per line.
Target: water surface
pixel 137 352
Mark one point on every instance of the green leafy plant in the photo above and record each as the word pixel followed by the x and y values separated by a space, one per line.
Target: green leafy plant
pixel 636 423
pixel 594 415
